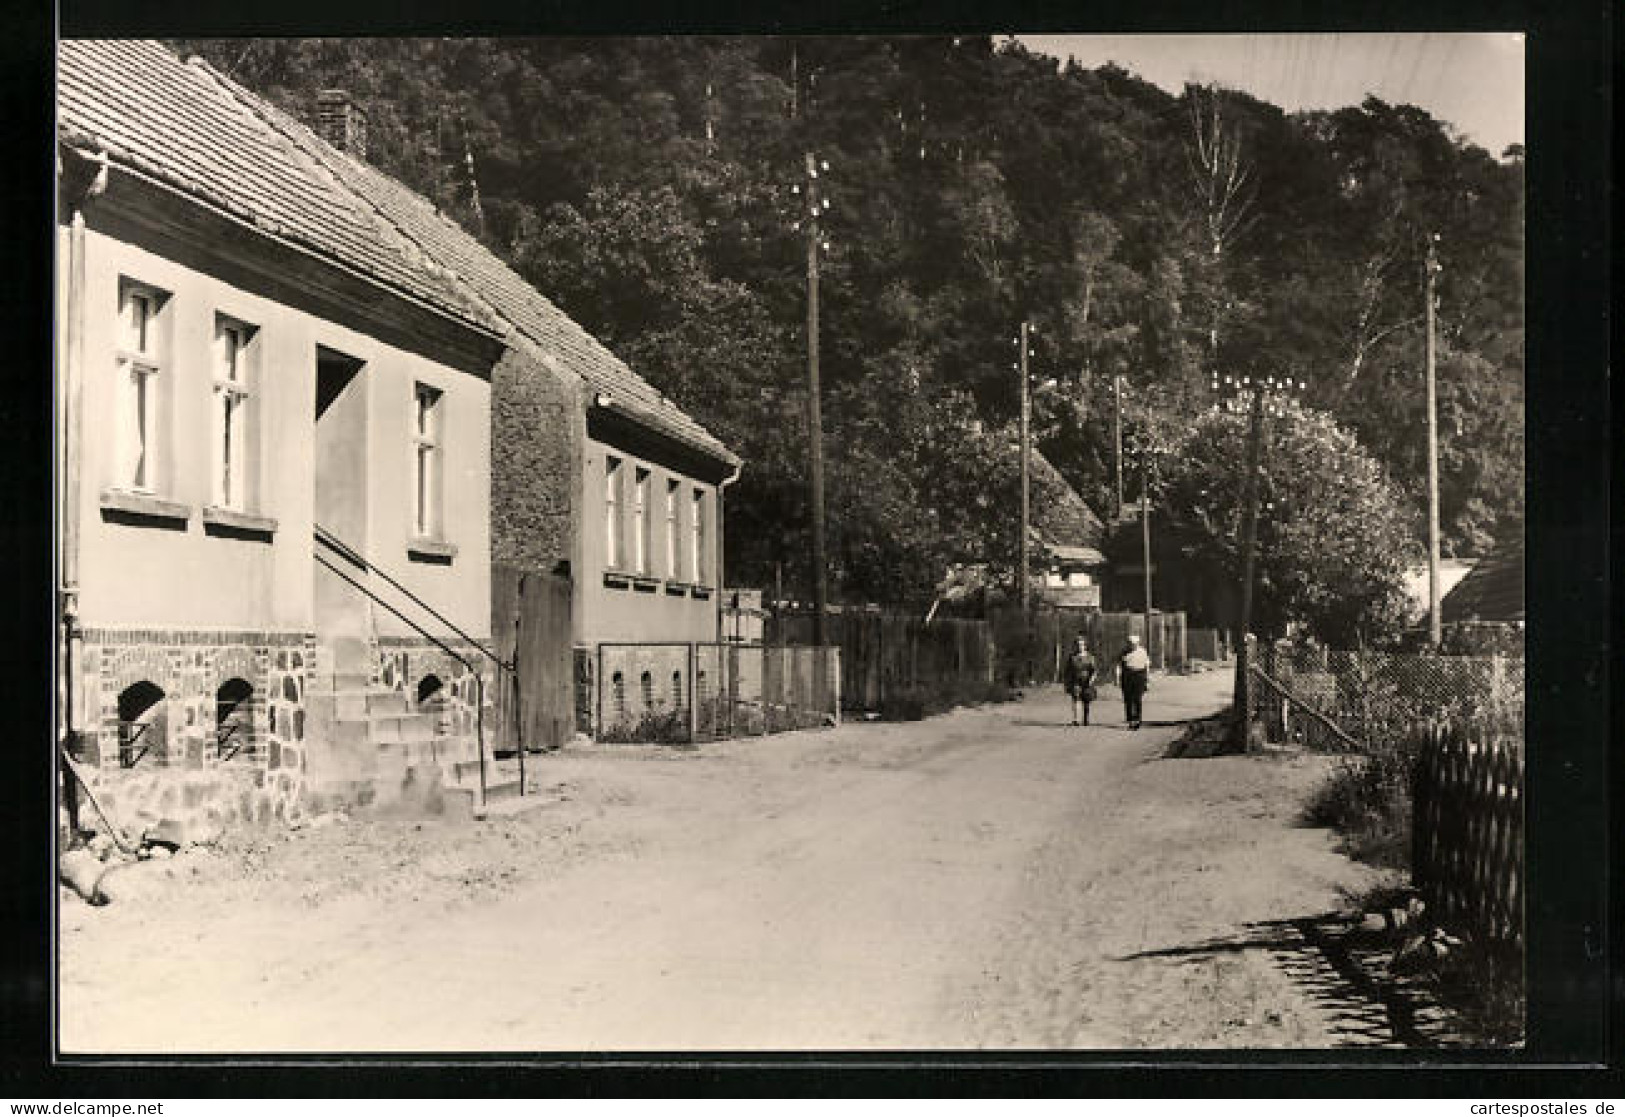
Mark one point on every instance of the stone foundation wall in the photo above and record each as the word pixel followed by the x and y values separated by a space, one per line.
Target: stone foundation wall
pixel 179 768
pixel 402 664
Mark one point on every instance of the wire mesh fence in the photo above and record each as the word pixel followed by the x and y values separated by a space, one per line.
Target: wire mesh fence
pixel 1340 699
pixel 682 693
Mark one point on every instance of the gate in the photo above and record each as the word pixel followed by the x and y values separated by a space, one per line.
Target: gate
pixel 530 625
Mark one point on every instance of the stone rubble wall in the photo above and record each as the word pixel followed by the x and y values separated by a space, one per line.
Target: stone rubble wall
pixel 184 775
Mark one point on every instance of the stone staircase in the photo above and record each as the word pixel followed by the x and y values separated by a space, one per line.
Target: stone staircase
pixel 371 747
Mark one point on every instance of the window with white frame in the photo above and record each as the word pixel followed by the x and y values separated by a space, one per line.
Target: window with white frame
pixel 696 537
pixel 230 413
pixel 640 522
pixel 426 451
pixel 673 532
pixel 612 512
pixel 138 387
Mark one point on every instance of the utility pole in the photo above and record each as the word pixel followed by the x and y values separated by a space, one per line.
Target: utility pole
pixel 1249 542
pixel 814 415
pixel 1435 622
pixel 1145 536
pixel 1117 428
pixel 1021 570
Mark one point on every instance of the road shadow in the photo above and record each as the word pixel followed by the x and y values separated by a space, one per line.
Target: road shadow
pixel 1340 969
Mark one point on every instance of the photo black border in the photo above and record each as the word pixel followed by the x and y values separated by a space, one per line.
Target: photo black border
pixel 1574 1022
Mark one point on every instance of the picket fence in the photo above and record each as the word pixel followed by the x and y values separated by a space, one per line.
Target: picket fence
pixel 1467 831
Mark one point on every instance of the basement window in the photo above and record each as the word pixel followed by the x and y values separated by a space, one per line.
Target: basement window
pixel 143 724
pixel 233 718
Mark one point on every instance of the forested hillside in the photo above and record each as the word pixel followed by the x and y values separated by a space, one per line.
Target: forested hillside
pixel 644 185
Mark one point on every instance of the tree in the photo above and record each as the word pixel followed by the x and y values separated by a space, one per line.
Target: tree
pixel 1334 536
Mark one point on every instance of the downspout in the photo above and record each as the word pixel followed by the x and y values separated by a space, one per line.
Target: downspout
pixel 82 176
pixel 722 520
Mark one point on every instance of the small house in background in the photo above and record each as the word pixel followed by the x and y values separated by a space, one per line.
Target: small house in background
pixel 1070 535
pixel 1451 572
pixel 1484 613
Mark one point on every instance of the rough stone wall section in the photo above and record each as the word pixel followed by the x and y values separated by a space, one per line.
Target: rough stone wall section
pixel 538 438
pixel 402 663
pixel 180 769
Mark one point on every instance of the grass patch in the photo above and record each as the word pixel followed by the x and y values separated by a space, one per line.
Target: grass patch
pixel 1367 802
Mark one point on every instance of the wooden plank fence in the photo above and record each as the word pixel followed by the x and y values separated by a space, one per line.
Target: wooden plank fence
pixel 886 656
pixel 1467 831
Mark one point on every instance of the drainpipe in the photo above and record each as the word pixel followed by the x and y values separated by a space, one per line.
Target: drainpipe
pixel 722 581
pixel 82 176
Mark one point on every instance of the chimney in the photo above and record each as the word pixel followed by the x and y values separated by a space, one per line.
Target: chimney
pixel 341 122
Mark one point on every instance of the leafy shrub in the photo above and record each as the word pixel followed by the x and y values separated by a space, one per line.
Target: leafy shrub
pixel 656 727
pixel 1367 801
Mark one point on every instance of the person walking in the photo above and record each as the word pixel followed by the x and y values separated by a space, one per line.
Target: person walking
pixel 1133 676
pixel 1080 681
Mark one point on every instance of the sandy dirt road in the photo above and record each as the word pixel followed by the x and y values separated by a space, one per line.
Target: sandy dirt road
pixel 992 878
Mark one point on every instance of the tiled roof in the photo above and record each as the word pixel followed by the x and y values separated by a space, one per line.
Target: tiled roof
pixel 184 125
pixel 197 130
pixel 1060 515
pixel 503 290
pixel 1492 592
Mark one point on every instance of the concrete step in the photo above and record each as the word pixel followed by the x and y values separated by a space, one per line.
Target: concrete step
pixel 347 654
pixel 341 682
pixel 356 705
pixel 404 728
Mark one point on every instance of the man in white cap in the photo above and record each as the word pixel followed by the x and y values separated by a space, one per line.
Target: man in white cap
pixel 1133 671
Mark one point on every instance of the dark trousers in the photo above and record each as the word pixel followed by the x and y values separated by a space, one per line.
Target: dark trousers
pixel 1133 693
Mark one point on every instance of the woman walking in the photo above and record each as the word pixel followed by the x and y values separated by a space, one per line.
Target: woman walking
pixel 1080 681
pixel 1133 672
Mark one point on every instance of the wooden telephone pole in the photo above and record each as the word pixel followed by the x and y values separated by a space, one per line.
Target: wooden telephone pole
pixel 1435 621
pixel 1249 543
pixel 1026 407
pixel 1145 535
pixel 814 414
pixel 1117 434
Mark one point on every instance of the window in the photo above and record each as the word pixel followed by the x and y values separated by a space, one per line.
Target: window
pixel 673 537
pixel 143 724
pixel 233 718
pixel 640 522
pixel 612 512
pixel 230 413
pixel 696 538
pixel 426 463
pixel 140 363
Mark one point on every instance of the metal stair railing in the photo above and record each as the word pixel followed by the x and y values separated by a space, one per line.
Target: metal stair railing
pixel 327 539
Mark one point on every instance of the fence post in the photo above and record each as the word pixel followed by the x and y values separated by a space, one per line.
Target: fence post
pixel 834 672
pixel 731 654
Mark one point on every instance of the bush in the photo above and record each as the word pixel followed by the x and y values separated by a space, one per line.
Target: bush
pixel 657 727
pixel 1367 801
